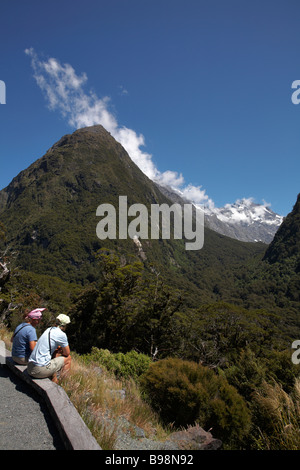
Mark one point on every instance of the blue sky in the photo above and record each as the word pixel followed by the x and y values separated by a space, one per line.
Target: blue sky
pixel 199 91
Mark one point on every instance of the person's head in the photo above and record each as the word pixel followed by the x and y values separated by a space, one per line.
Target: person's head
pixel 62 321
pixel 34 317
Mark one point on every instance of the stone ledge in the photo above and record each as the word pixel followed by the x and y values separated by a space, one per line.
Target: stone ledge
pixel 73 431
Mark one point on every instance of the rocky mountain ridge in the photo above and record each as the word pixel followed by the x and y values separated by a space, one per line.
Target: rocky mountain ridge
pixel 244 220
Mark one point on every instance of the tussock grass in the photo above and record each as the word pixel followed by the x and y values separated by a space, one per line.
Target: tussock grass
pixel 5 335
pixel 98 397
pixel 280 413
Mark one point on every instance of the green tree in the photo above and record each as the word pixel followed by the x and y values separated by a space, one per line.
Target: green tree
pixel 215 334
pixel 128 309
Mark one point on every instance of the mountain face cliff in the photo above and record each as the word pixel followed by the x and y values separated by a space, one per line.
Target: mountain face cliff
pixel 49 212
pixel 49 215
pixel 286 243
pixel 49 209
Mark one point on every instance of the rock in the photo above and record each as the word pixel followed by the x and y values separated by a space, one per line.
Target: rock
pixel 139 433
pixel 4 273
pixel 195 438
pixel 98 370
pixel 121 394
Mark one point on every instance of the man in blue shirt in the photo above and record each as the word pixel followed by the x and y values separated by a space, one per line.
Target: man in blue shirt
pixel 24 338
pixel 52 352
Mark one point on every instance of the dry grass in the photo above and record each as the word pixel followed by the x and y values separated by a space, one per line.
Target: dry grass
pixel 88 392
pixel 99 398
pixel 5 335
pixel 282 413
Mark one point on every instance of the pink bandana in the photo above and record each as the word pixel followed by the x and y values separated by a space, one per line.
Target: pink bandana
pixel 36 314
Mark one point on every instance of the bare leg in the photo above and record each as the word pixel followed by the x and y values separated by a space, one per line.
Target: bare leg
pixel 54 378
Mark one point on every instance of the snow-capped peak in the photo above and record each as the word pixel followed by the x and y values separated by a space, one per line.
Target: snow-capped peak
pixel 244 220
pixel 246 212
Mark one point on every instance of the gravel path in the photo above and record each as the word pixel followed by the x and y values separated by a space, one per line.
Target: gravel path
pixel 25 423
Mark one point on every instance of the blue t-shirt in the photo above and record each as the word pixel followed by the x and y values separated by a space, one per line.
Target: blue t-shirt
pixel 46 345
pixel 24 333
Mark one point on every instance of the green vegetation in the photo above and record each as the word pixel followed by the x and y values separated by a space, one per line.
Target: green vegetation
pixel 286 244
pixel 225 315
pixel 129 365
pixel 128 309
pixel 183 392
pixel 212 364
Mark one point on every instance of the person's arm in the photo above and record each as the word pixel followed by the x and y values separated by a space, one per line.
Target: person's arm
pixel 66 351
pixel 32 345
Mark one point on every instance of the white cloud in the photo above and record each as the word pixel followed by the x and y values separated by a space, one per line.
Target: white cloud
pixel 64 92
pixel 197 195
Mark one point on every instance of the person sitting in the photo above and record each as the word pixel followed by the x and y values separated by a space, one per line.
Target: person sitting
pixel 24 338
pixel 52 352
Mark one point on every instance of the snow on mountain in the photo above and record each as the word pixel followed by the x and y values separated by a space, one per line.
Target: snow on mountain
pixel 244 220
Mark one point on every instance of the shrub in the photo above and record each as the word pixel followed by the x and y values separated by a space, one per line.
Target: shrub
pixel 185 392
pixel 247 374
pixel 131 364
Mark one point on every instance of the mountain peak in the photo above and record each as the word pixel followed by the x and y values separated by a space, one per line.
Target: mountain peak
pixel 50 207
pixel 286 243
pixel 90 133
pixel 245 211
pixel 245 220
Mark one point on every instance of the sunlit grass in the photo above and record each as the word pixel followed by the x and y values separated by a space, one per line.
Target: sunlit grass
pixel 281 414
pixel 101 399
